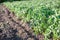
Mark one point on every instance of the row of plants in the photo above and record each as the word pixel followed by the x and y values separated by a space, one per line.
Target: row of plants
pixel 42 16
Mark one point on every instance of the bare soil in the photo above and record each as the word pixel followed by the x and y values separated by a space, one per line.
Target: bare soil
pixel 12 28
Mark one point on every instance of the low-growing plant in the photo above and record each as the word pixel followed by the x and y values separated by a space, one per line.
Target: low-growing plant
pixel 42 16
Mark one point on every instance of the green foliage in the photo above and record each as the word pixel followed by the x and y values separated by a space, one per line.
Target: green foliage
pixel 43 16
pixel 11 0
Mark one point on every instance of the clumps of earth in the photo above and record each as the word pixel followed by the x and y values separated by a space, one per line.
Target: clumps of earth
pixel 12 28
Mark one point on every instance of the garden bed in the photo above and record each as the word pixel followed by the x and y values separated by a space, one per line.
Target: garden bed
pixel 12 28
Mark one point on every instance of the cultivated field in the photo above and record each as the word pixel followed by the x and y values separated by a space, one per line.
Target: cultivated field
pixel 43 16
